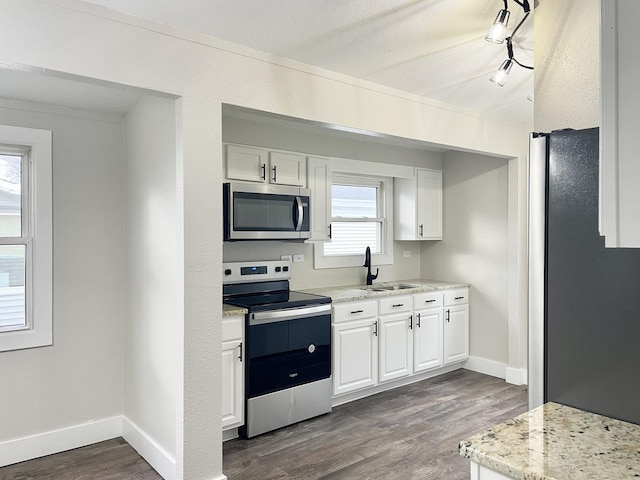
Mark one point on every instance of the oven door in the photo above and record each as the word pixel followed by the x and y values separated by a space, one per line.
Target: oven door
pixel 288 347
pixel 264 212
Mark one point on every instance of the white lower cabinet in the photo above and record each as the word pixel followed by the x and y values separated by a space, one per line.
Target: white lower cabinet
pixel 395 347
pixel 232 372
pixel 376 341
pixel 456 326
pixel 355 346
pixel 396 337
pixel 427 339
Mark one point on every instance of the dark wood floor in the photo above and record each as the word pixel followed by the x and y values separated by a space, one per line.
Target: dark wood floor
pixel 110 460
pixel 409 433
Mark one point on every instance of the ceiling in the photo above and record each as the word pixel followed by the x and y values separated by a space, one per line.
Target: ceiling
pixel 432 48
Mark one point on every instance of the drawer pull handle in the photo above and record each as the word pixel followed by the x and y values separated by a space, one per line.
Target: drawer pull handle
pixel 458 298
pixel 430 301
pixel 240 357
pixel 274 174
pixel 353 312
pixel 263 175
pixel 448 317
pixel 398 305
pixel 375 328
pixel 410 322
pixel 418 320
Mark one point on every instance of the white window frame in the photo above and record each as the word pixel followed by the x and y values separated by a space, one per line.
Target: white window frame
pixel 386 255
pixel 37 235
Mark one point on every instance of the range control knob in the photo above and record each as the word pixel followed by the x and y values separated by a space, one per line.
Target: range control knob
pixel 278 269
pixel 227 271
pixel 285 269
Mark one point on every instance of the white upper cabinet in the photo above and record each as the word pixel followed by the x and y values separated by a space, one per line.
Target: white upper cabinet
pixel 418 206
pixel 287 169
pixel 246 163
pixel 619 139
pixel 253 164
pixel 319 182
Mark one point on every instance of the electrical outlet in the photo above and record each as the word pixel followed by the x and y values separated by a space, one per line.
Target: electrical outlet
pixel 286 258
pixel 298 258
pixel 406 253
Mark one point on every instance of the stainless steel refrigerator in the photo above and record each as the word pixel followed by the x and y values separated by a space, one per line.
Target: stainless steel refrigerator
pixel 584 310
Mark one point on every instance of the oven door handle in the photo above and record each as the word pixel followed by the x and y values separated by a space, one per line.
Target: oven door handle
pixel 271 316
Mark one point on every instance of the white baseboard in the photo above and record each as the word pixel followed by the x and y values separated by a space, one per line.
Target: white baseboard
pixel 55 441
pixel 162 461
pixel 488 367
pixel 517 376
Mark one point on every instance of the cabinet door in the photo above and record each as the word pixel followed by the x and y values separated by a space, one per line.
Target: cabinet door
pixel 232 384
pixel 427 339
pixel 319 182
pixel 287 169
pixel 396 346
pixel 246 163
pixel 456 333
pixel 355 355
pixel 429 208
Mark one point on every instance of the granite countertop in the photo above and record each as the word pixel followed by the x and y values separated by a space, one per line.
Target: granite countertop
pixel 349 293
pixel 230 310
pixel 556 442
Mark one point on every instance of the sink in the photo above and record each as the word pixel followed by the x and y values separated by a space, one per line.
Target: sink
pixel 390 287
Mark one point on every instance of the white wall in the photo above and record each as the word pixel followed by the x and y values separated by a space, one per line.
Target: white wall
pixel 207 73
pixel 80 378
pixel 151 327
pixel 315 141
pixel 474 246
pixel 567 60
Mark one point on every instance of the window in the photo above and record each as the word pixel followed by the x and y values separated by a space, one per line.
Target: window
pixel 25 238
pixel 360 218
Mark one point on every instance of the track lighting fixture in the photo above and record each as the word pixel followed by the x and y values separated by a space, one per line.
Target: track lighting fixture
pixel 498 31
pixel 499 77
pixel 498 34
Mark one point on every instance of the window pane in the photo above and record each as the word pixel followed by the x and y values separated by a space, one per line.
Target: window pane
pixel 354 201
pixel 352 238
pixel 12 291
pixel 10 198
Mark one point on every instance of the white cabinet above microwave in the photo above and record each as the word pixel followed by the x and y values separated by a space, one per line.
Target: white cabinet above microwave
pixel 252 164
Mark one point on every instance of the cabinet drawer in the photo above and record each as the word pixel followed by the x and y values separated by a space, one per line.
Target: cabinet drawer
pixel 427 300
pixel 396 304
pixel 456 297
pixel 232 328
pixel 344 312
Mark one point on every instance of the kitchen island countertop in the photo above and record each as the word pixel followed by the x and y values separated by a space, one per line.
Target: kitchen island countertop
pixel 350 293
pixel 556 442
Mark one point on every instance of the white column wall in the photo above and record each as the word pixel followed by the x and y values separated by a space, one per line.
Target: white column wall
pixel 151 353
pixel 79 39
pixel 567 59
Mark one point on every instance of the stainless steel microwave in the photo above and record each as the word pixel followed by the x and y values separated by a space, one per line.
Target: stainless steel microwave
pixel 265 212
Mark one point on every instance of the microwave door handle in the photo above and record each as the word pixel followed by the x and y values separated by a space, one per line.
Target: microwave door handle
pixel 299 218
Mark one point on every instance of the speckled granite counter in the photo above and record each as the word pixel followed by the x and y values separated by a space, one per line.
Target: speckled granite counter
pixel 350 293
pixel 230 310
pixel 556 442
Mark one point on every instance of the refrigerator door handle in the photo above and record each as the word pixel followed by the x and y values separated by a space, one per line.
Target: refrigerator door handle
pixel 537 239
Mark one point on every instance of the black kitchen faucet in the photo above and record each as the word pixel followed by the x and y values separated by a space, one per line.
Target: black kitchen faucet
pixel 367 263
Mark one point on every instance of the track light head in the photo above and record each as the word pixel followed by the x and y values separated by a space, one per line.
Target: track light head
pixel 499 77
pixel 498 31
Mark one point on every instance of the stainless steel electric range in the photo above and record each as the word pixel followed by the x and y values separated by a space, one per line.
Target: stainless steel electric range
pixel 288 346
